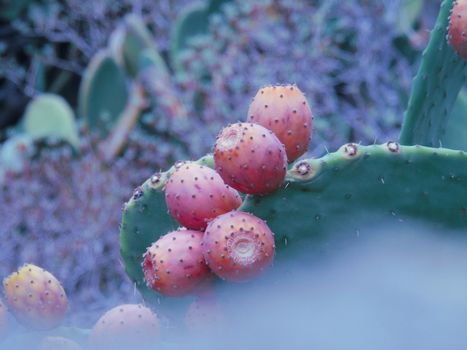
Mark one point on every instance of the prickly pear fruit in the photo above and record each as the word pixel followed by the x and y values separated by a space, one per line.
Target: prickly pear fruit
pixel 238 246
pixel 58 343
pixel 204 315
pixel 250 158
pixel 174 265
pixel 126 326
pixel 285 111
pixel 195 194
pixel 35 297
pixel 4 326
pixel 457 30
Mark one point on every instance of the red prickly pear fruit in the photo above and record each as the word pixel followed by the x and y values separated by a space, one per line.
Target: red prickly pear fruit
pixel 4 324
pixel 285 111
pixel 126 326
pixel 174 265
pixel 457 30
pixel 238 246
pixel 203 316
pixel 196 194
pixel 250 158
pixel 35 297
pixel 58 343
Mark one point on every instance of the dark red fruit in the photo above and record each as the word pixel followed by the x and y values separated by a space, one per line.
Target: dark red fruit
pixel 238 246
pixel 174 265
pixel 196 194
pixel 250 158
pixel 457 30
pixel 285 111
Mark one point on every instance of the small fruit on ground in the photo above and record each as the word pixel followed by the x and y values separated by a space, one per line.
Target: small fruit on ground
pixel 284 110
pixel 174 265
pixel 457 30
pixel 58 343
pixel 126 326
pixel 250 158
pixel 35 297
pixel 195 194
pixel 238 246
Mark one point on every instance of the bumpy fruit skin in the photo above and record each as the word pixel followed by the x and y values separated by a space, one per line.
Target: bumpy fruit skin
pixel 250 158
pixel 4 324
pixel 174 265
pixel 196 194
pixel 238 246
pixel 127 326
pixel 457 31
pixel 285 111
pixel 58 343
pixel 35 297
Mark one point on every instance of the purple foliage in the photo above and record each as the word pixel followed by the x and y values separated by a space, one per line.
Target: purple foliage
pixel 341 54
pixel 63 213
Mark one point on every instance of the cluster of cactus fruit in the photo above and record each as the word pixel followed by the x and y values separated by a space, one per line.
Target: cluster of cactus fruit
pixel 285 200
pixel 307 200
pixel 215 237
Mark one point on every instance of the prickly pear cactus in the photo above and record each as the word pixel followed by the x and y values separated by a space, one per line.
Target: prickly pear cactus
pixel 103 93
pixel 338 194
pixel 49 115
pixel 342 196
pixel 441 75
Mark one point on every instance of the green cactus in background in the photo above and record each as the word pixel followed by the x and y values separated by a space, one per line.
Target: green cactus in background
pixel 192 22
pixel 49 115
pixel 441 75
pixel 129 40
pixel 103 93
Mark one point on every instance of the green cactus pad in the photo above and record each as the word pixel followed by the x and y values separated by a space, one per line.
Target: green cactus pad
pixel 129 40
pixel 193 21
pixel 215 6
pixel 49 115
pixel 103 93
pixel 440 77
pixel 333 197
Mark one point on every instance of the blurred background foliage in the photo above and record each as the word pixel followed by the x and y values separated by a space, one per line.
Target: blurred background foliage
pixel 95 96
